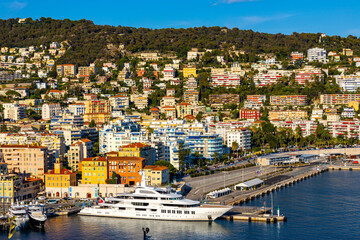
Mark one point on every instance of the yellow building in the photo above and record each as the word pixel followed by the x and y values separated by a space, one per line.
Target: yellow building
pixel 98 110
pixel 189 71
pixel 136 150
pixel 183 109
pixel 94 170
pixel 354 105
pixel 287 115
pixel 157 175
pixel 58 181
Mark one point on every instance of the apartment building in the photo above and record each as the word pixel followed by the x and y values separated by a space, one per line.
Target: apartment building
pixel 26 159
pixel 157 175
pixel 189 71
pixel 345 128
pixel 94 170
pixel 191 97
pixel 138 150
pixel 225 80
pixel 292 100
pixel 183 109
pixel 141 101
pixel 217 100
pixel 287 115
pixel 254 101
pixel 50 110
pixel 59 180
pixel 241 136
pixel 307 127
pixel 167 101
pixel 337 99
pixel 316 54
pixel 87 71
pixel 66 70
pixel 119 102
pixel 207 145
pixel 348 83
pixel 249 114
pixel 13 111
pixel 297 56
pixel 98 110
pixel 77 108
pixel 78 151
pixel 263 79
pixel 127 169
pixel 304 77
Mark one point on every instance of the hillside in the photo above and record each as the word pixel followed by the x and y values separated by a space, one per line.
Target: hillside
pixel 89 41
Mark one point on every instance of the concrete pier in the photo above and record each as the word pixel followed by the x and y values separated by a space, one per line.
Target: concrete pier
pixel 268 189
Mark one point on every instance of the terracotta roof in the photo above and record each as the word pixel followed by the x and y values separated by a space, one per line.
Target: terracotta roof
pixel 124 158
pixel 63 171
pixel 154 109
pixel 184 104
pixel 85 140
pixel 20 146
pixel 133 145
pixel 190 117
pixel 156 168
pixel 76 144
pixel 95 159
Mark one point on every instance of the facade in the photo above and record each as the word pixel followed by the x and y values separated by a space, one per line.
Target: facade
pixel 316 54
pixel 287 115
pixel 13 111
pixel 189 72
pixel 98 110
pixel 292 100
pixel 139 150
pixel 119 102
pixel 94 170
pixel 157 175
pixel 241 136
pixel 297 56
pixel 348 113
pixel 87 71
pixel 337 99
pixel 307 127
pixel 77 108
pixel 59 180
pixel 348 83
pixel 207 145
pixel 50 110
pixel 66 70
pixel 308 76
pixel 249 114
pixel 32 160
pixel 183 109
pixel 141 101
pixel 225 80
pixel 254 101
pixel 217 100
pixel 263 79
pixel 345 128
pixel 127 169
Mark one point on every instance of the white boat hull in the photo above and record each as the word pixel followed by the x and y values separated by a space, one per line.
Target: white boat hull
pixel 178 214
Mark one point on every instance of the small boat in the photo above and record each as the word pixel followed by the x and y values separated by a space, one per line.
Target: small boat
pixel 19 215
pixel 37 217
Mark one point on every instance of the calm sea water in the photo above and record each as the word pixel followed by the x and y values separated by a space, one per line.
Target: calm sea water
pixel 324 207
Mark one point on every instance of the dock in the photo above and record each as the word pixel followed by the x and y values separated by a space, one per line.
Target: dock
pixel 268 189
pixel 252 214
pixel 67 211
pixel 343 167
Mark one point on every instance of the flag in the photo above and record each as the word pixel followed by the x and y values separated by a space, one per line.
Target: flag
pixel 101 200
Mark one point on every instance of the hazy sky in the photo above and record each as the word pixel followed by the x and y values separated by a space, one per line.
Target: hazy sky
pixel 333 17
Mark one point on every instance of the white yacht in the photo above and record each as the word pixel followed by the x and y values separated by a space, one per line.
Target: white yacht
pixel 20 216
pixel 155 203
pixel 37 218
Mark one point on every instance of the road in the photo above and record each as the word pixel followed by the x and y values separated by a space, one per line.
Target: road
pixel 205 184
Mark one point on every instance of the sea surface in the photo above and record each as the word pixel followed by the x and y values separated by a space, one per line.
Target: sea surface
pixel 326 206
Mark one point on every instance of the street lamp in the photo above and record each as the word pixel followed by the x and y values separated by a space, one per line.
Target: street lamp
pixel 224 177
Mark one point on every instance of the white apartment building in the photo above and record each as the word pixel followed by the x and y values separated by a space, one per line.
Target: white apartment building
pixel 241 136
pixel 77 108
pixel 348 83
pixel 316 114
pixel 263 79
pixel 307 127
pixel 13 111
pixel 49 110
pixel 169 73
pixel 225 80
pixel 348 113
pixel 167 101
pixel 119 102
pixel 346 128
pixel 316 54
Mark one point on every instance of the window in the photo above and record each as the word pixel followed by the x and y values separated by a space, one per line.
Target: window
pixel 192 212
pixel 179 212
pixel 169 211
pixel 163 211
pixel 186 212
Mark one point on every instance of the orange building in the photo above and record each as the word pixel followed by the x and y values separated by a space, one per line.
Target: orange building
pixel 127 169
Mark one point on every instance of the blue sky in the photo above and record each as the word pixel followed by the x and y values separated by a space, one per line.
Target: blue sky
pixel 332 17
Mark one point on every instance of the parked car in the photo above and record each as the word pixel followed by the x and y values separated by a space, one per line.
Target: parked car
pixel 42 198
pixel 53 201
pixel 67 198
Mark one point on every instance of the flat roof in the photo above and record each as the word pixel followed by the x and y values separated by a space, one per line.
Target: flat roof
pixel 250 183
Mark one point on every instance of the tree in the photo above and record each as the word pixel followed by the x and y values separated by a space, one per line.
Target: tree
pixel 3 128
pixel 113 179
pixel 92 123
pixel 199 116
pixel 171 168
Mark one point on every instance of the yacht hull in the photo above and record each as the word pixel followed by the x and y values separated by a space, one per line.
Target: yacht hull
pixel 178 214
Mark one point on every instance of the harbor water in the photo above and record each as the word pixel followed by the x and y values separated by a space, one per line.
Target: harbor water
pixel 326 206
